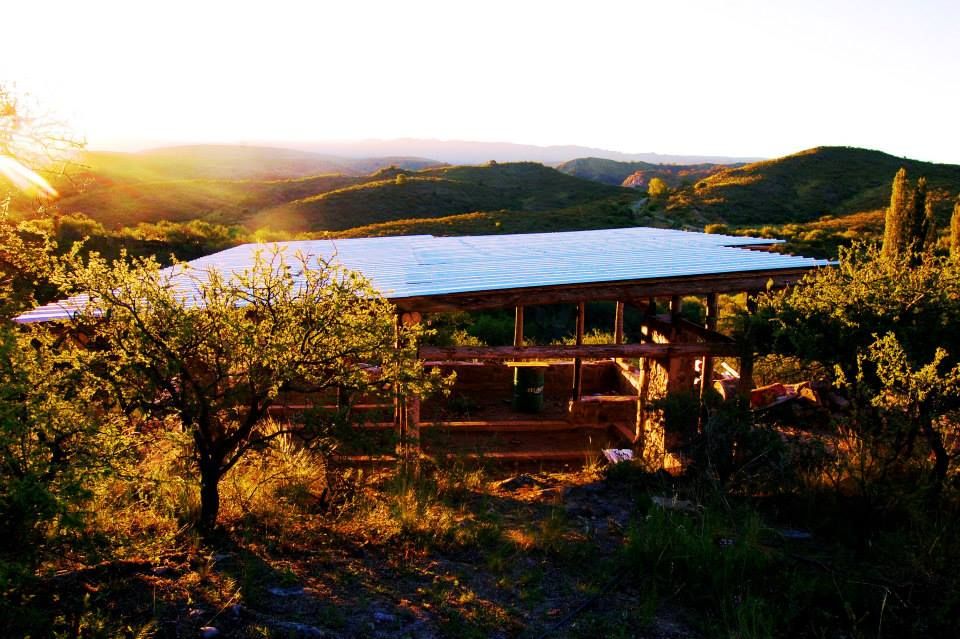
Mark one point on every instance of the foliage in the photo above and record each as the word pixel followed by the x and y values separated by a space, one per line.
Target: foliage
pixel 54 442
pixel 302 325
pixel 887 329
pixel 955 232
pixel 910 226
pixel 657 189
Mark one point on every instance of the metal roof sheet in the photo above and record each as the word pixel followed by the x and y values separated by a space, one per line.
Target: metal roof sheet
pixel 424 265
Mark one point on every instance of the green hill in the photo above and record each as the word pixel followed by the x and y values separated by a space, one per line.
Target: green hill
pixel 638 174
pixel 222 201
pixel 807 185
pixel 433 193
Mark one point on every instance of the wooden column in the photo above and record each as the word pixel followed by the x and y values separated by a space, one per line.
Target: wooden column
pixel 518 328
pixel 706 367
pixel 675 307
pixel 746 359
pixel 706 364
pixel 578 363
pixel 618 324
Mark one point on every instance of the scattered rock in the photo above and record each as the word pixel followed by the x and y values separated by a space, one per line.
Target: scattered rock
pixel 672 503
pixel 518 482
pixel 193 613
pixel 299 630
pixel 792 533
pixel 209 632
pixel 380 616
pixel 236 610
pixel 291 591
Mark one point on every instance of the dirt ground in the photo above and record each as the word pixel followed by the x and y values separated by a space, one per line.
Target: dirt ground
pixel 479 553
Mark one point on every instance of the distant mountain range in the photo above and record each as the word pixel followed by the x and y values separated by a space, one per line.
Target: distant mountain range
pixel 467 152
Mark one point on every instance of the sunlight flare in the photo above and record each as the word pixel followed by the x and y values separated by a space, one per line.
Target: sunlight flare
pixel 26 179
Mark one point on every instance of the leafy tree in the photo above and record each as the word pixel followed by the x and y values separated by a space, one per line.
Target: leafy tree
pixel 216 350
pixel 657 189
pixel 910 226
pixel 890 335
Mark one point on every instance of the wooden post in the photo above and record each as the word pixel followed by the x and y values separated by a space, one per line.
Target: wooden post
pixel 618 324
pixel 518 328
pixel 746 359
pixel 578 363
pixel 675 304
pixel 706 364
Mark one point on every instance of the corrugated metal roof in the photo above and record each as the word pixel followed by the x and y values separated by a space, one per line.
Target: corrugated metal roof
pixel 424 265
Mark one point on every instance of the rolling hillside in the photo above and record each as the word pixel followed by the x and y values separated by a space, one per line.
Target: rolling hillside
pixel 123 190
pixel 433 193
pixel 639 174
pixel 807 185
pixel 228 162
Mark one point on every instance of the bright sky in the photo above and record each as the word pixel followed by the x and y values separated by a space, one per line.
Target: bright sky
pixel 747 78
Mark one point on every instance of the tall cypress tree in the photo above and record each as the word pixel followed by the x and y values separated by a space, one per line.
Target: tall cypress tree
pixel 955 231
pixel 896 225
pixel 910 225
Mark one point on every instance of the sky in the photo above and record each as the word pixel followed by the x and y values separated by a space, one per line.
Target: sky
pixel 737 78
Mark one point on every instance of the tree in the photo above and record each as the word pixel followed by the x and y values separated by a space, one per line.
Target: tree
pixel 657 188
pixel 910 225
pixel 889 334
pixel 955 232
pixel 216 350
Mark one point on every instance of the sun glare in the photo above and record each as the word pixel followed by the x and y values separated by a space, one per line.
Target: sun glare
pixel 26 179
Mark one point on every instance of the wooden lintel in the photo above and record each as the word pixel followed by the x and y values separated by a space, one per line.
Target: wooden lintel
pixel 600 291
pixel 585 351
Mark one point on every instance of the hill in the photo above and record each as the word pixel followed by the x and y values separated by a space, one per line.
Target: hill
pixel 223 162
pixel 434 193
pixel 807 185
pixel 123 190
pixel 639 174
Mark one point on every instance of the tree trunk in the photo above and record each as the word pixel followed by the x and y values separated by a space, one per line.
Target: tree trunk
pixel 209 495
pixel 941 457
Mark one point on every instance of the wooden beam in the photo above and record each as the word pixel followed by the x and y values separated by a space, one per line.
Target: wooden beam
pixel 518 327
pixel 597 291
pixel 618 323
pixel 577 362
pixel 664 324
pixel 585 351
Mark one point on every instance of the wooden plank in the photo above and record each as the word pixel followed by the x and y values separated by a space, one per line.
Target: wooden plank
pixel 626 432
pixel 585 351
pixel 611 291
pixel 518 426
pixel 533 455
